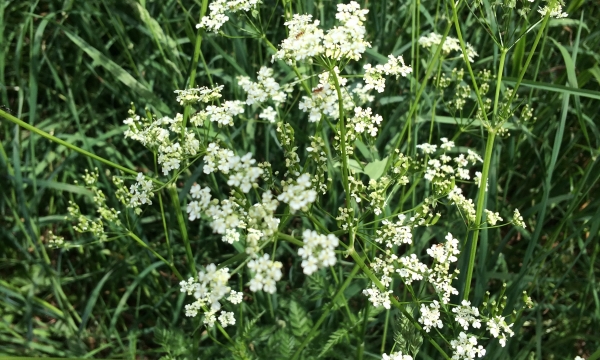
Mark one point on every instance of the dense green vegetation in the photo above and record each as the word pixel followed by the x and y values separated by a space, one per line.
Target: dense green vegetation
pixel 73 68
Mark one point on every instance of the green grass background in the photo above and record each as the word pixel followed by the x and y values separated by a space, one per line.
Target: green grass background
pixel 72 68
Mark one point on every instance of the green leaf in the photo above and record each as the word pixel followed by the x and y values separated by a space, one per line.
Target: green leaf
pixel 376 168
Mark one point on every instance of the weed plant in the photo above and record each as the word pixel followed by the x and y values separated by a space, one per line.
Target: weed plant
pixel 299 179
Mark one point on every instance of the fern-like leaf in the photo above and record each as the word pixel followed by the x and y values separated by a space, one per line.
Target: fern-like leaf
pixel 336 338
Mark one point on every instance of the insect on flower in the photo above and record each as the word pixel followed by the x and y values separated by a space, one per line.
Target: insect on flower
pixel 318 90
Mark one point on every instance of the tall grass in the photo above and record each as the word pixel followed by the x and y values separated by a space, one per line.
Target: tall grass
pixel 72 69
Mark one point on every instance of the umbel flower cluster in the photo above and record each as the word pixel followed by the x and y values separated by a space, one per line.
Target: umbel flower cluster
pixel 253 204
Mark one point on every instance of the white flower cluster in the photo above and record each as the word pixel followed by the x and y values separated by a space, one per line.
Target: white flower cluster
pixel 264 89
pixel 467 314
pixel 500 329
pixel 141 192
pixel 430 316
pixel 240 170
pixel 384 267
pixel 412 269
pixel 556 10
pixel 465 347
pixel 492 217
pixel 363 120
pixel 440 276
pixel 298 193
pixel 450 44
pixel 324 98
pixel 396 356
pixel 305 40
pixel 318 251
pixel 210 288
pixel 427 149
pixel 518 219
pixel 228 217
pixel 222 115
pixel 156 134
pixel 466 206
pixel 374 75
pixel 216 18
pixel 393 234
pixel 378 298
pixel 266 274
pixel 196 95
pixel 347 40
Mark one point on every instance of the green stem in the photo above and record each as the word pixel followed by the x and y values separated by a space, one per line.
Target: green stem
pixel 415 104
pixel 467 62
pixel 495 119
pixel 290 239
pixel 52 138
pixel 529 57
pixel 317 325
pixel 195 58
pixel 489 147
pixel 145 246
pixel 342 126
pixel 359 261
pixel 182 228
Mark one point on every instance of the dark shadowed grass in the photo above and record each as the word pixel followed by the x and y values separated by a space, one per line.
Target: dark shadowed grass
pixel 72 68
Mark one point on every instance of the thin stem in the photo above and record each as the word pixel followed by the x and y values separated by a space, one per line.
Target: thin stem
pixel 52 138
pixel 529 57
pixel 195 58
pixel 489 147
pixel 360 262
pixel 290 239
pixel 495 119
pixel 342 126
pixel 317 325
pixel 467 62
pixel 182 228
pixel 145 246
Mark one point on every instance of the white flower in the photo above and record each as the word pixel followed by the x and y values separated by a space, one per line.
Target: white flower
pixel 450 44
pixel 364 121
pixel 446 144
pixel 268 114
pixel 347 40
pixel 378 298
pixel 518 219
pixel 374 75
pixel 412 269
pixel 393 234
pixel 266 274
pixel 265 88
pixel 241 172
pixel 555 11
pixel 208 290
pixel 235 297
pixel 226 318
pixel 324 97
pixel 466 314
pixel 492 217
pixel 196 95
pixel 500 329
pixel 298 194
pixel 465 347
pixel 217 18
pixel 430 316
pixel 427 148
pixel 303 41
pixel 318 251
